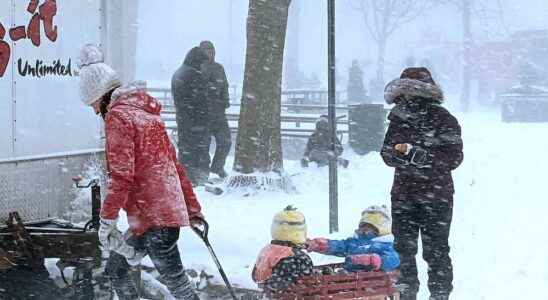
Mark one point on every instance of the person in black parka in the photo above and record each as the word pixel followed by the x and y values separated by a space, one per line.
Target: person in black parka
pixel 189 88
pixel 218 100
pixel 423 143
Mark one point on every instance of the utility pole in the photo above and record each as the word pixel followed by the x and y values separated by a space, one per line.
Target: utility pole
pixel 333 184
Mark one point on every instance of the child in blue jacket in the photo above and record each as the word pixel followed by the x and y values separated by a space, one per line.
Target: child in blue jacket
pixel 371 248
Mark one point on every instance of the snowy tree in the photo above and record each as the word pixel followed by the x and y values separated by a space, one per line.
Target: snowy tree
pixel 258 145
pixel 382 18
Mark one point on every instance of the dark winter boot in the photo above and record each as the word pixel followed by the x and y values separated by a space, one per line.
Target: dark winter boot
pixel 304 163
pixel 407 293
pixel 441 296
pixel 344 162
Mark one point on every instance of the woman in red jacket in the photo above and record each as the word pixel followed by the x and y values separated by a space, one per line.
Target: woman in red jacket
pixel 145 180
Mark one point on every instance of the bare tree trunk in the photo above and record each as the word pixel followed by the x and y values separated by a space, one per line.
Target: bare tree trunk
pixel 466 55
pixel 258 145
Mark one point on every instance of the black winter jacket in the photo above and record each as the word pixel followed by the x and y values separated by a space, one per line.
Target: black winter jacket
pixel 217 93
pixel 189 88
pixel 420 121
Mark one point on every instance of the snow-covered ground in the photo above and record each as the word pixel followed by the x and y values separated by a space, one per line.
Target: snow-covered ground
pixel 499 248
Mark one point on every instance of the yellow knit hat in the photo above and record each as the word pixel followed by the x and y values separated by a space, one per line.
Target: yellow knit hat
pixel 378 217
pixel 289 225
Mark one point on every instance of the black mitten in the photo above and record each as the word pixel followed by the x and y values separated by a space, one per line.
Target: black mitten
pixel 420 157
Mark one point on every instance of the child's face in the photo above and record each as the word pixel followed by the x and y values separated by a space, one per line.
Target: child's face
pixel 366 229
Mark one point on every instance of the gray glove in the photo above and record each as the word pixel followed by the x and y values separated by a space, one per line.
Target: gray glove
pixel 117 243
pixel 106 227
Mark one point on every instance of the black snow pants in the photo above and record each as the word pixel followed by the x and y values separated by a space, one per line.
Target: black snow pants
pixel 322 158
pixel 161 245
pixel 193 144
pixel 220 131
pixel 431 217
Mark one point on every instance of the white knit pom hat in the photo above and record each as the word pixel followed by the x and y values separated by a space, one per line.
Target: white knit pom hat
pixel 96 77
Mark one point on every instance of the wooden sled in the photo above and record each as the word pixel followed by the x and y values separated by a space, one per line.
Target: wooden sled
pixel 360 285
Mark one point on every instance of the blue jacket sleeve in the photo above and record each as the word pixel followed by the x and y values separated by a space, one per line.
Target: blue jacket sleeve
pixel 338 247
pixel 390 258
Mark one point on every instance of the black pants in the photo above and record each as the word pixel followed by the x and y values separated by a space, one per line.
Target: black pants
pixel 220 131
pixel 322 158
pixel 431 217
pixel 161 246
pixel 193 144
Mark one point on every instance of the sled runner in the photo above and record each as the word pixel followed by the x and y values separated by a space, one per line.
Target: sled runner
pixel 360 285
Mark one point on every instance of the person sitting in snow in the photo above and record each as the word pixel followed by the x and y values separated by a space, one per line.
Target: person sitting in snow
pixel 283 261
pixel 318 148
pixel 370 249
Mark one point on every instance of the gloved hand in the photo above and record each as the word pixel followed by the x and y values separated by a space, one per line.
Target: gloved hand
pixel 196 219
pixel 419 157
pixel 320 245
pixel 106 227
pixel 118 244
pixel 304 162
pixel 373 260
pixel 416 155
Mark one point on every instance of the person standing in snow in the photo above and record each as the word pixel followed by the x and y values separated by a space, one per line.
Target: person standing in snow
pixel 355 90
pixel 370 249
pixel 423 143
pixel 145 180
pixel 189 87
pixel 318 148
pixel 283 261
pixel 218 101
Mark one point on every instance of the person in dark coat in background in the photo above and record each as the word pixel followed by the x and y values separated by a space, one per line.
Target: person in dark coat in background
pixel 424 144
pixel 318 148
pixel 189 89
pixel 355 90
pixel 218 100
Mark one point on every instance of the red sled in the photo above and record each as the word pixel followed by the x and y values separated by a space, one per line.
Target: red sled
pixel 360 285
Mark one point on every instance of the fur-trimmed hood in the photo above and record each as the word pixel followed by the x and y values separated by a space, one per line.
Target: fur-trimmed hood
pixel 410 89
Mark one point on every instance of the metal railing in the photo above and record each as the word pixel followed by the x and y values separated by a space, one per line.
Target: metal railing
pixel 312 112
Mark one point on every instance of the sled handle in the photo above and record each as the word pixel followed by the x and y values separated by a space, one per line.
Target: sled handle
pixel 202 233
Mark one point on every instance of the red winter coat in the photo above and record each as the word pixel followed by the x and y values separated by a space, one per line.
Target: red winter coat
pixel 145 178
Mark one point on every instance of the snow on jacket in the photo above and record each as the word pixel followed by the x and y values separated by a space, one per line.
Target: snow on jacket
pixel 280 264
pixel 363 244
pixel 145 178
pixel 420 120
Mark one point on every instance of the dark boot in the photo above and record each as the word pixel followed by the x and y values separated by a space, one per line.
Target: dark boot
pixel 408 296
pixel 442 296
pixel 343 162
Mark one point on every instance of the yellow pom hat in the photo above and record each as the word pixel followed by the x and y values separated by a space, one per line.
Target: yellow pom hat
pixel 378 217
pixel 289 225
